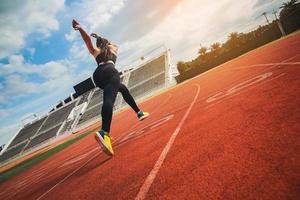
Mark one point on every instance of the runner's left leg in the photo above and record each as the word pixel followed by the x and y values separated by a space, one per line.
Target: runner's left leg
pixel 128 98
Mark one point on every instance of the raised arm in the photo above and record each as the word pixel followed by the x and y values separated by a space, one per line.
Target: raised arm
pixel 86 38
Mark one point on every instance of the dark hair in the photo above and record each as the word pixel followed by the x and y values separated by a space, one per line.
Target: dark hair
pixel 101 42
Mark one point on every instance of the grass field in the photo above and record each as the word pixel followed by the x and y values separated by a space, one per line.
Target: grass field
pixel 38 158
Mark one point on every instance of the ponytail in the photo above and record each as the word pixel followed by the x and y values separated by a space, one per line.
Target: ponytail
pixel 101 42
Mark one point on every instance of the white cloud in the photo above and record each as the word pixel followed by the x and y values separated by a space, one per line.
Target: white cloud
pixel 98 12
pixel 16 64
pixel 19 22
pixel 72 36
pixel 7 132
pixel 195 22
pixel 51 69
pixel 95 13
pixel 79 53
pixel 56 75
pixel 54 69
pixel 263 2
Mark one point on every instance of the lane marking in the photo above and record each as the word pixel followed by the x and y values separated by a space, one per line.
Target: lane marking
pixel 138 123
pixel 140 132
pixel 44 194
pixel 77 158
pixel 61 181
pixel 241 91
pixel 239 87
pixel 150 178
pixel 284 62
pixel 269 64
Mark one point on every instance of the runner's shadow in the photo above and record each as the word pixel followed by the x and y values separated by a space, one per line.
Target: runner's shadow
pixel 93 164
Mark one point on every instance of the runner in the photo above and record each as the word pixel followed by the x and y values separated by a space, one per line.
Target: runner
pixel 107 77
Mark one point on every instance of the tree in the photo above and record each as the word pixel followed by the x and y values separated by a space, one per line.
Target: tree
pixel 232 42
pixel 290 15
pixel 202 51
pixel 215 46
pixel 289 7
pixel 215 49
pixel 182 67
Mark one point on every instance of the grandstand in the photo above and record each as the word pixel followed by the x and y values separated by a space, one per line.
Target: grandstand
pixel 83 108
pixel 42 137
pixel 27 132
pixel 84 97
pixel 38 132
pixel 57 118
pixel 148 71
pixel 12 152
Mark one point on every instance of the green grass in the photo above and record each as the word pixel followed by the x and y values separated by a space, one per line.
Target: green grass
pixel 38 158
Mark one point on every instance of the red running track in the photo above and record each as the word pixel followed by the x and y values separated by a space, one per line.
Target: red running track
pixel 231 133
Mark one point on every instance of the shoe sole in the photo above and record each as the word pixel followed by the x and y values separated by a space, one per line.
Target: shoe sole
pixel 144 117
pixel 101 143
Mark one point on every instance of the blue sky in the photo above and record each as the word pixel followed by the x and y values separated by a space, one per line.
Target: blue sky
pixel 42 57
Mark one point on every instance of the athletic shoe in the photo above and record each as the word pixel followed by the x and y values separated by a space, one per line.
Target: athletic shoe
pixel 103 139
pixel 142 115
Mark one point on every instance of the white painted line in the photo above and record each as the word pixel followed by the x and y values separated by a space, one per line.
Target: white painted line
pixel 61 181
pixel 150 178
pixel 131 130
pixel 67 177
pixel 242 91
pixel 77 158
pixel 269 64
pixel 286 61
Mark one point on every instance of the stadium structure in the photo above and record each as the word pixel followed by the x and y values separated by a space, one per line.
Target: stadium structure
pixel 81 109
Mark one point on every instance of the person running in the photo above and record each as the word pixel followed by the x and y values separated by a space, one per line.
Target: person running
pixel 107 77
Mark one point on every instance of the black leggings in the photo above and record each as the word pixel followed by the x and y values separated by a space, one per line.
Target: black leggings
pixel 107 78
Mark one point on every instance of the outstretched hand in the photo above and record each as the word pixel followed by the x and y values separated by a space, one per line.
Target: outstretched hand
pixel 75 25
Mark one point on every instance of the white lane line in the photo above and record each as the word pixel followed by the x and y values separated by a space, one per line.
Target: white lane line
pixel 241 91
pixel 284 62
pixel 121 138
pixel 150 178
pixel 78 158
pixel 67 177
pixel 268 64
pixel 61 181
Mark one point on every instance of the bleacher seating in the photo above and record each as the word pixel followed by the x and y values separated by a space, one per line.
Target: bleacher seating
pixel 84 97
pixel 150 69
pixel 66 126
pixel 12 152
pixel 96 98
pixel 27 132
pixel 42 137
pixel 57 117
pixel 91 113
pixel 147 87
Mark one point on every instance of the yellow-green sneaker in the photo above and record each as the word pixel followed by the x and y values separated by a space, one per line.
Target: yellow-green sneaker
pixel 103 140
pixel 142 115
